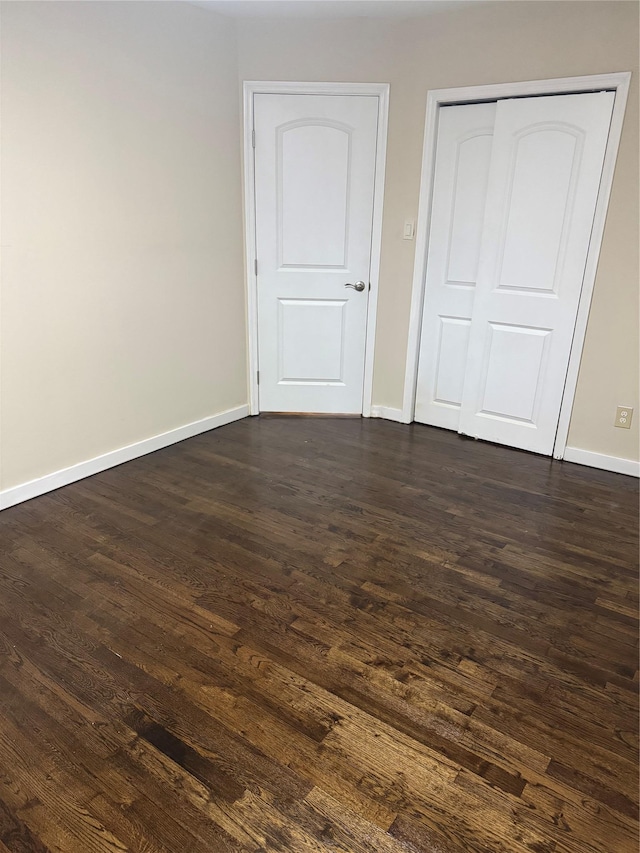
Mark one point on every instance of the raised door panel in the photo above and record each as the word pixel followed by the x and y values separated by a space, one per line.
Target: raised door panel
pixel 543 184
pixel 299 322
pixel 452 347
pixel 473 155
pixel 541 193
pixel 463 156
pixel 313 195
pixel 512 373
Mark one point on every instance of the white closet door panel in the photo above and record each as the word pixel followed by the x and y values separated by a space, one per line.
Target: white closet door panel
pixel 463 157
pixel 314 172
pixel 545 173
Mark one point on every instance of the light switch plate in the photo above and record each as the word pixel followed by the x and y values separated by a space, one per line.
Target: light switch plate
pixel 409 229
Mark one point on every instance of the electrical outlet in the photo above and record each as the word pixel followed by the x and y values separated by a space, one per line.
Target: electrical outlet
pixel 623 417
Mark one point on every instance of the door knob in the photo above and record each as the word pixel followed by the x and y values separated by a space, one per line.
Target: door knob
pixel 359 286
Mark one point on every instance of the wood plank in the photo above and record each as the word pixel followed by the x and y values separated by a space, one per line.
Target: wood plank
pixel 322 634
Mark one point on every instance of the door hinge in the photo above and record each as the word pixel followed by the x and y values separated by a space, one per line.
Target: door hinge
pixel 253 139
pixel 255 266
pixel 257 377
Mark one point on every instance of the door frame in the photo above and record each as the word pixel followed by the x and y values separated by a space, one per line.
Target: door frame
pixel 258 87
pixel 617 82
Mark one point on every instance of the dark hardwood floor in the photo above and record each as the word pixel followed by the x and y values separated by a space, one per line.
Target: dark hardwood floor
pixel 322 635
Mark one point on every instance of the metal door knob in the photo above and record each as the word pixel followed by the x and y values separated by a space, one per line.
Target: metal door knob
pixel 359 286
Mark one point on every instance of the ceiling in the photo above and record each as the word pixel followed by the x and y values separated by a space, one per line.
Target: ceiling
pixel 332 8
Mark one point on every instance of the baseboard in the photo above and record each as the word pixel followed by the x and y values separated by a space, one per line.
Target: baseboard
pixel 387 413
pixel 601 460
pixel 26 491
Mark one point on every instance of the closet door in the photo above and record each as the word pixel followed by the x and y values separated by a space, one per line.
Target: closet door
pixel 463 156
pixel 545 173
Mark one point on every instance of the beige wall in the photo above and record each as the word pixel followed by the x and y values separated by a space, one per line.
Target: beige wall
pixel 122 283
pixel 122 296
pixel 493 42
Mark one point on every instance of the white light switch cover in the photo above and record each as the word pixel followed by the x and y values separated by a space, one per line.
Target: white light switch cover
pixel 409 229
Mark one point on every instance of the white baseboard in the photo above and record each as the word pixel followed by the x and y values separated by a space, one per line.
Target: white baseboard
pixel 388 414
pixel 26 491
pixel 601 460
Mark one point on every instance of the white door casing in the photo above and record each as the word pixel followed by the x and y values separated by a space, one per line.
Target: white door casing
pixel 463 156
pixel 315 169
pixel 546 166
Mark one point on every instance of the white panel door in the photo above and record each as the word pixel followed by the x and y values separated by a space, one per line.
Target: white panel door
pixel 314 182
pixel 546 164
pixel 463 156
